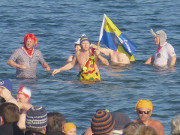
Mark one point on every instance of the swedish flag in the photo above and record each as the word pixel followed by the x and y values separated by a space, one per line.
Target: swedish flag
pixel 114 39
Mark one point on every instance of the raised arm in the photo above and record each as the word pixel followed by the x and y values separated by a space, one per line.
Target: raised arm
pixel 105 51
pixel 68 66
pixel 101 58
pixel 6 94
pixel 24 106
pixel 14 64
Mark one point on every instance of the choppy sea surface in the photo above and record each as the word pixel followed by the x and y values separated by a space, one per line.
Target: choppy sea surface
pixel 59 23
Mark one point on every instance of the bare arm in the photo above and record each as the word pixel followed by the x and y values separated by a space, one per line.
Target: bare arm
pixel 160 129
pixel 149 61
pixel 68 66
pixel 14 64
pixel 101 58
pixel 173 60
pixel 6 94
pixel 70 58
pixel 105 51
pixel 46 66
pixel 24 106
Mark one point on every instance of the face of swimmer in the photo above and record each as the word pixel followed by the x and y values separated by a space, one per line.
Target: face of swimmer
pixel 21 98
pixel 72 132
pixel 157 40
pixel 29 44
pixel 85 45
pixel 77 47
pixel 144 114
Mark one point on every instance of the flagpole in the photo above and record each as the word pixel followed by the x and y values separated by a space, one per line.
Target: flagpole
pixel 98 44
pixel 101 31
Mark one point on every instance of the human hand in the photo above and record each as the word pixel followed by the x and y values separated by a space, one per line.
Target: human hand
pixel 93 46
pixel 5 93
pixel 55 72
pixel 97 52
pixel 23 67
pixel 48 69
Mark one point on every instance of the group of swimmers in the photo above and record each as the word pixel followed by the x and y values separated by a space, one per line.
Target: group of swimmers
pixel 87 57
pixel 19 117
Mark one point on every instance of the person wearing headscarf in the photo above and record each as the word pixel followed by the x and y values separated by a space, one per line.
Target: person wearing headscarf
pixel 144 110
pixel 26 58
pixel 87 60
pixel 165 54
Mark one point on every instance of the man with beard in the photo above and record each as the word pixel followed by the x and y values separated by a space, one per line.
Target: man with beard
pixel 144 111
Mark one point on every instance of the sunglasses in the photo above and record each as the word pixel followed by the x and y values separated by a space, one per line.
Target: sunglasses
pixel 145 112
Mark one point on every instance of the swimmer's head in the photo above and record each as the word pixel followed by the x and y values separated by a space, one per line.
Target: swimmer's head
pixel 144 104
pixel 77 45
pixel 161 34
pixel 32 37
pixel 70 128
pixel 84 38
pixel 24 91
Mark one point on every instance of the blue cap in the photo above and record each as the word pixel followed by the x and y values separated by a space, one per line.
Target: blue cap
pixel 6 83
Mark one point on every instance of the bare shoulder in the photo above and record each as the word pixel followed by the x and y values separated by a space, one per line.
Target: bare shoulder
pixel 155 122
pixel 77 53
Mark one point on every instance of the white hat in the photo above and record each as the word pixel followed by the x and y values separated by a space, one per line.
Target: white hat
pixel 25 91
pixel 161 34
pixel 77 42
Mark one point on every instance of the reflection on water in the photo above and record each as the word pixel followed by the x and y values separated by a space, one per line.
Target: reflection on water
pixel 115 70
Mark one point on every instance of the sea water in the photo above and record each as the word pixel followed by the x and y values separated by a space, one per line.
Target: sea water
pixel 59 23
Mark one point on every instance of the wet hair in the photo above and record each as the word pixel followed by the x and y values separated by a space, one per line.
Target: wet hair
pixel 9 112
pixel 55 122
pixel 175 125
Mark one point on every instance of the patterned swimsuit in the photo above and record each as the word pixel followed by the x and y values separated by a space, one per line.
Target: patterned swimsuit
pixel 20 57
pixel 88 72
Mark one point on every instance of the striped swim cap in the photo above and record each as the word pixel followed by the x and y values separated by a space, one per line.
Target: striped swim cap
pixel 36 118
pixel 84 38
pixel 102 122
